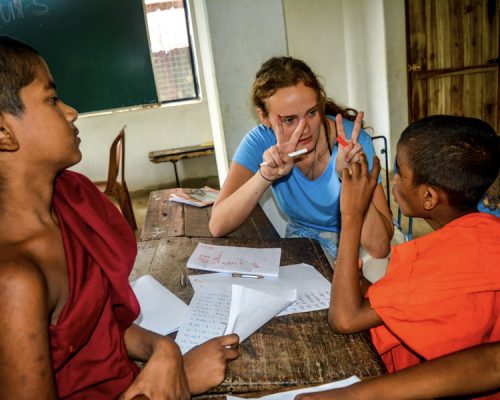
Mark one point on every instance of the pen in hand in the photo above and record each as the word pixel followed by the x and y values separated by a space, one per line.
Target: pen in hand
pixel 293 154
pixel 341 141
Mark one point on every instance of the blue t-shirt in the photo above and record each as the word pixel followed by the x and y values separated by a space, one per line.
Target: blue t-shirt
pixel 313 203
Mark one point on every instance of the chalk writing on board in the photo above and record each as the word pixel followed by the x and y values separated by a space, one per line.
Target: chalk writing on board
pixel 13 10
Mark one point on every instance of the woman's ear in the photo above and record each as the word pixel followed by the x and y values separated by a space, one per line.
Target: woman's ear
pixel 262 117
pixel 8 141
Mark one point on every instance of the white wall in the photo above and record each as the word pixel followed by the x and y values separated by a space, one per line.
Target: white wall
pixel 315 34
pixel 244 34
pixel 360 56
pixel 394 11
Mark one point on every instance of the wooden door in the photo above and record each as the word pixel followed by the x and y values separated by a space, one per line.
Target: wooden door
pixel 453 58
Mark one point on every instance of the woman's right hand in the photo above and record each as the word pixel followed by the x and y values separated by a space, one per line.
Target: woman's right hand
pixel 276 157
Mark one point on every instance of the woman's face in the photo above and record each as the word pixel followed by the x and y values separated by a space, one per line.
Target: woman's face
pixel 292 104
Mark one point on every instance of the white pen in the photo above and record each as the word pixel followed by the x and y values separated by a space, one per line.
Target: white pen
pixel 235 275
pixel 293 154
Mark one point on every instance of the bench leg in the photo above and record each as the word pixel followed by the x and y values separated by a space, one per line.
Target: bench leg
pixel 176 175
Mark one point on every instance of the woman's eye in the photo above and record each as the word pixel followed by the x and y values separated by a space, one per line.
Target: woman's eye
pixel 53 100
pixel 312 113
pixel 287 121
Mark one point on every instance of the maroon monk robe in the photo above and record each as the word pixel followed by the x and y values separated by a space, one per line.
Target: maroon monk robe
pixel 89 356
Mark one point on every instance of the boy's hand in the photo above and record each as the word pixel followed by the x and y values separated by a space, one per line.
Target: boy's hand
pixel 358 185
pixel 163 376
pixel 206 364
pixel 346 155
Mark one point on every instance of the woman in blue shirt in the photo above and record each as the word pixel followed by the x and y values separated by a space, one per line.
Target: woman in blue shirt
pixel 296 114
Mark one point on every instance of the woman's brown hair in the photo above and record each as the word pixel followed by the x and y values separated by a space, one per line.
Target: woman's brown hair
pixel 281 72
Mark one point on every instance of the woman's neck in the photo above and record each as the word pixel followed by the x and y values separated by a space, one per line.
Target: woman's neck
pixel 317 160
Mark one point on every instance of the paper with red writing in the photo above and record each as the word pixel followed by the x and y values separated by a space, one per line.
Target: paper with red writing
pixel 236 260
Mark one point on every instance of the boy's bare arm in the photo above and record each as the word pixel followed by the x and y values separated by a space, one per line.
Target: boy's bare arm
pixel 163 374
pixel 467 372
pixel 25 370
pixel 349 311
pixel 170 374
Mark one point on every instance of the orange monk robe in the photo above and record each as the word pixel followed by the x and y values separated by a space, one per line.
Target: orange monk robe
pixel 440 293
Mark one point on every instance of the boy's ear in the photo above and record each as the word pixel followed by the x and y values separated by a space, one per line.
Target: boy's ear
pixel 8 141
pixel 262 116
pixel 430 197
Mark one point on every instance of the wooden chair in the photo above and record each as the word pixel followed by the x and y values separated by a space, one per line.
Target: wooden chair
pixel 114 189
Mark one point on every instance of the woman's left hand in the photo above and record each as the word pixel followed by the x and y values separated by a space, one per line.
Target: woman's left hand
pixel 349 154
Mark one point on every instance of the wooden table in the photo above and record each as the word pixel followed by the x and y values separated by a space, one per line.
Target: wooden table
pixel 289 351
pixel 174 155
pixel 170 219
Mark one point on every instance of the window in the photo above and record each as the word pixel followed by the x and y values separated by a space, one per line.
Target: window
pixel 171 49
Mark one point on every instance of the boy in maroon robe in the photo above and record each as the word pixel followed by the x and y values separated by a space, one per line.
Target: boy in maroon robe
pixel 66 308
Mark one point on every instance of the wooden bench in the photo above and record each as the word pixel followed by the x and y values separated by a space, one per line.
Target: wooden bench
pixel 174 155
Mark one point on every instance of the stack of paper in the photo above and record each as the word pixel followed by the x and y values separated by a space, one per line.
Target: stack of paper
pixel 236 260
pixel 224 304
pixel 200 197
pixel 216 311
pixel 313 290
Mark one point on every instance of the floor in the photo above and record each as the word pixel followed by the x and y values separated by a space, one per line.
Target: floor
pixel 140 203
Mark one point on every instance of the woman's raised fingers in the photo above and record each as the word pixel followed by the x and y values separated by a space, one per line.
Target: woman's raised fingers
pixel 357 126
pixel 278 130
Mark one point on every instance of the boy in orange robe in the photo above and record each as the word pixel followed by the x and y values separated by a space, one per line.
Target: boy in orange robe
pixel 441 291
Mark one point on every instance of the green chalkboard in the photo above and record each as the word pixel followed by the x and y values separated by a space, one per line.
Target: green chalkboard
pixel 97 50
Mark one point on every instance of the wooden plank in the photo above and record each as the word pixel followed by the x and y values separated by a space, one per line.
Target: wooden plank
pixel 449 44
pixel 293 350
pixel 163 218
pixel 181 152
pixel 196 221
pixel 182 156
pixel 171 219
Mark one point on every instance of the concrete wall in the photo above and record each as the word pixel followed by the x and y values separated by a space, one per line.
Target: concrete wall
pixel 243 34
pixel 360 57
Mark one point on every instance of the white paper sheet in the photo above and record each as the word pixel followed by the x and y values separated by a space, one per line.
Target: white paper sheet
pixel 207 318
pixel 230 259
pixel 290 395
pixel 313 290
pixel 161 311
pixel 251 309
pixel 209 313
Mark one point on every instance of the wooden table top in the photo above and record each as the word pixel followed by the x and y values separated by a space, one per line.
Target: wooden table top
pixel 171 219
pixel 289 351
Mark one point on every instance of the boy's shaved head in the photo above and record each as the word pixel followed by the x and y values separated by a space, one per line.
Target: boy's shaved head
pixel 18 63
pixel 458 155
